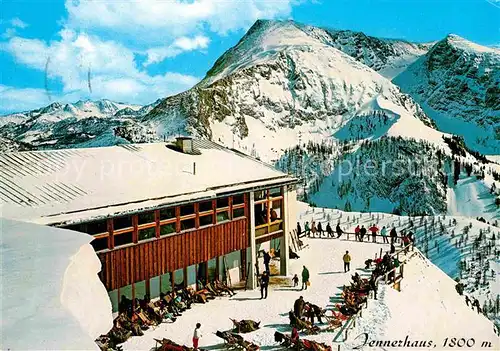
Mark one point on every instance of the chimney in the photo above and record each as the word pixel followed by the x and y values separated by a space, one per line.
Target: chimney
pixel 185 144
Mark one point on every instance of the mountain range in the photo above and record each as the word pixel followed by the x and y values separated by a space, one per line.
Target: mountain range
pixel 287 90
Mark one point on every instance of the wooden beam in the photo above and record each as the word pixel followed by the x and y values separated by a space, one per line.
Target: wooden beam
pixel 185 275
pixel 157 221
pixel 111 238
pixel 178 219
pixel 135 234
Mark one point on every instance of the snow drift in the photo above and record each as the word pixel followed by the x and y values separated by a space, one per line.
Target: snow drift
pixel 52 298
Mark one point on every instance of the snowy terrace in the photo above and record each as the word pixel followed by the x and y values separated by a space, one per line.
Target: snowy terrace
pixel 427 309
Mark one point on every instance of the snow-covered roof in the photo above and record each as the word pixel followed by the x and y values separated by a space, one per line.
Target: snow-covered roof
pixel 51 296
pixel 57 186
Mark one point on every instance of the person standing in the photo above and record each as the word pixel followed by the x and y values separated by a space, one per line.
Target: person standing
pixel 393 235
pixel 305 278
pixel 307 230
pixel 362 233
pixel 295 280
pixel 329 230
pixel 347 261
pixel 383 233
pixel 196 336
pixel 267 259
pixel 339 230
pixel 299 229
pixel 356 232
pixel 264 283
pixel 313 228
pixel 298 307
pixel 374 230
pixel 320 229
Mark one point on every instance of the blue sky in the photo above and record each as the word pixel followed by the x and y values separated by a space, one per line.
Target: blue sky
pixel 138 51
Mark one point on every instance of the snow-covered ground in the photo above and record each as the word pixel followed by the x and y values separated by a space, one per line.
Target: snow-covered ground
pixel 471 197
pixel 428 308
pixel 51 296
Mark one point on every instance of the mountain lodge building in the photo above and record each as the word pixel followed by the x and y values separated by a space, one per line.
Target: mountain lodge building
pixel 161 214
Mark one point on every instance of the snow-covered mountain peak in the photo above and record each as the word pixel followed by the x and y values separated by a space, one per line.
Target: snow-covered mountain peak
pixel 466 45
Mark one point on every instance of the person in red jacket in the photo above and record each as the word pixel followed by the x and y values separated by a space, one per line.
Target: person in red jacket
pixel 356 232
pixel 374 231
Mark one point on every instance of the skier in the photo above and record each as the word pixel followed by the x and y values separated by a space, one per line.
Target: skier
pixel 383 232
pixel 347 261
pixel 196 336
pixel 267 259
pixel 339 230
pixel 305 278
pixel 356 232
pixel 329 230
pixel 320 229
pixel 264 282
pixel 393 235
pixel 362 233
pixel 299 229
pixel 374 231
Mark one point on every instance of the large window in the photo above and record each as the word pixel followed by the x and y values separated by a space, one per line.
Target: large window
pixel 123 239
pixel 206 220
pixel 167 213
pixel 99 244
pixel 187 210
pixel 122 222
pixel 187 224
pixel 146 217
pixel 205 206
pixel 222 202
pixel 148 233
pixel 268 211
pixel 166 229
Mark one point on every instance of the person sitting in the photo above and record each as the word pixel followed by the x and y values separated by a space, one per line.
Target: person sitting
pixel 274 215
pixel 368 263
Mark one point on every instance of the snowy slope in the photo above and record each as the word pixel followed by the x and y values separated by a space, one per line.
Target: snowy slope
pixel 457 85
pixel 427 308
pixel 52 298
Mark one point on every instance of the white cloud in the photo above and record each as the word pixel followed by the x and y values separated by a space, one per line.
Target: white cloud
pixel 113 71
pixel 180 45
pixel 156 21
pixel 18 23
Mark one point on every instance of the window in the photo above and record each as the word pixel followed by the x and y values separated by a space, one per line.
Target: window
pixel 222 216
pixel 276 210
pixel 223 202
pixel 122 222
pixel 187 210
pixel 260 195
pixel 206 220
pixel 187 224
pixel 123 239
pixel 238 199
pixel 205 206
pixel 275 192
pixel 167 229
pixel 260 214
pixel 167 213
pixel 146 217
pixel 238 212
pixel 90 227
pixel 99 244
pixel 145 234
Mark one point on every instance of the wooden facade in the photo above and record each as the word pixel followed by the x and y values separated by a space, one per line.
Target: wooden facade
pixel 156 257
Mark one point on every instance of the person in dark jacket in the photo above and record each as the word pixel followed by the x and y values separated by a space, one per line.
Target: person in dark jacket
pixel 339 230
pixel 267 259
pixel 264 283
pixel 320 229
pixel 298 307
pixel 329 230
pixel 393 249
pixel 305 278
pixel 362 233
pixel 299 229
pixel 393 235
pixel 373 286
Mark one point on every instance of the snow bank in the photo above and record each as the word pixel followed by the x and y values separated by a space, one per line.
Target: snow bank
pixel 52 298
pixel 428 309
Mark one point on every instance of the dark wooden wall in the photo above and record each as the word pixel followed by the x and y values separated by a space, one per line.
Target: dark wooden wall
pixel 135 263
